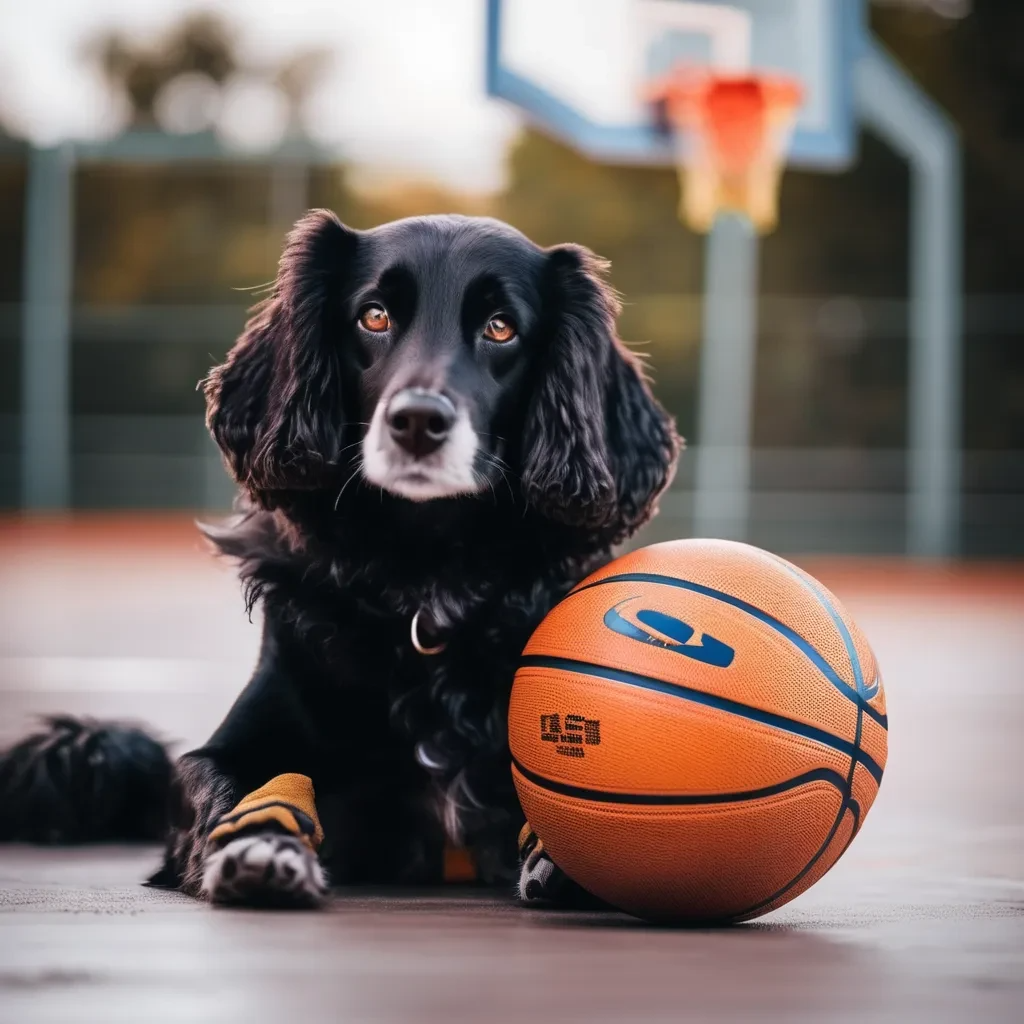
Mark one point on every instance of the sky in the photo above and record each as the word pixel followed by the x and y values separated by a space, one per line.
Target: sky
pixel 405 91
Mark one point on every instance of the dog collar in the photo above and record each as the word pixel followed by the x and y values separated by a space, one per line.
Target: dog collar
pixel 414 635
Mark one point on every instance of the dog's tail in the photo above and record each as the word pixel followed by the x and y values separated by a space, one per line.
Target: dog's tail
pixel 82 781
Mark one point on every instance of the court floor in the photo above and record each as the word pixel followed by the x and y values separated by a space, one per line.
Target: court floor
pixel 922 919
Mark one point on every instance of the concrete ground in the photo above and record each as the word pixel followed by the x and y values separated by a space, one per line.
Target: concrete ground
pixel 923 918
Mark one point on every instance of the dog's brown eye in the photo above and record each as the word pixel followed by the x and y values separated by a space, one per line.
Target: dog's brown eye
pixel 375 318
pixel 500 329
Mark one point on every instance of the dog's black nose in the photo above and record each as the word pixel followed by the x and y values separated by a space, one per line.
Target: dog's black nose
pixel 420 420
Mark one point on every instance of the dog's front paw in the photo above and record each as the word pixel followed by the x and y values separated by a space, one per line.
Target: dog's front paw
pixel 264 869
pixel 540 879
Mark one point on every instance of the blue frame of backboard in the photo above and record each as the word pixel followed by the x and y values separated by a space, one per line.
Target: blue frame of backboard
pixel 831 149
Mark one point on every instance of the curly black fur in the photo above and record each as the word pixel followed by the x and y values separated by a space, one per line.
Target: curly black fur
pixel 80 781
pixel 406 750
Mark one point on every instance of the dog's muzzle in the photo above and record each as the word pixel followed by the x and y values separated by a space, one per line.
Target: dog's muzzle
pixel 419 445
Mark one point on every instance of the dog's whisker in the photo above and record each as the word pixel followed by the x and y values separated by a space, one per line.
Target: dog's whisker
pixel 355 444
pixel 477 477
pixel 498 464
pixel 494 457
pixel 263 286
pixel 502 465
pixel 355 473
pixel 508 484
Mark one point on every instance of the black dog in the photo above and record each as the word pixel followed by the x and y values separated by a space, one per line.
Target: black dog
pixel 437 434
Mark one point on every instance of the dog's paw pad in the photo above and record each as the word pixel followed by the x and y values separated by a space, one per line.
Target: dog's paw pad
pixel 264 870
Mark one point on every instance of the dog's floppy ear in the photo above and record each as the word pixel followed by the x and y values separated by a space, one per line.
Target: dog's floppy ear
pixel 598 448
pixel 275 405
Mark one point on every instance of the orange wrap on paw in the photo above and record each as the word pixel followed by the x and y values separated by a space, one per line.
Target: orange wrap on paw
pixel 529 841
pixel 524 836
pixel 285 804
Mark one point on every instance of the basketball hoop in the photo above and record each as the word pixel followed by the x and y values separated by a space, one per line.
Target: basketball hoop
pixel 731 133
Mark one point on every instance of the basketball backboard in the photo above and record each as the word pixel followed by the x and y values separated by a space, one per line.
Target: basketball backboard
pixel 578 68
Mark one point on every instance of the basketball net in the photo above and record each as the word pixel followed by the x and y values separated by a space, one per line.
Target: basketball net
pixel 731 132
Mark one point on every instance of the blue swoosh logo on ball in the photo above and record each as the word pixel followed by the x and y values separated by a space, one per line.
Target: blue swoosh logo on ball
pixel 675 635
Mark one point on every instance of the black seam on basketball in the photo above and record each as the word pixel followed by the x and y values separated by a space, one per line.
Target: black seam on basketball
pixel 821 596
pixel 779 893
pixel 680 799
pixel 857 751
pixel 708 700
pixel 848 804
pixel 854 808
pixel 788 632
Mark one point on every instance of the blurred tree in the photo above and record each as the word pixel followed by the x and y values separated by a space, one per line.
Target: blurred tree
pixel 296 77
pixel 200 44
pixel 184 233
pixel 153 238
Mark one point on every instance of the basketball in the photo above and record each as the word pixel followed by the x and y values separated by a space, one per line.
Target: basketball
pixel 697 732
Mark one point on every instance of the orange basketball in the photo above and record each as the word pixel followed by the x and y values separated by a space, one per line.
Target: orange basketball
pixel 697 731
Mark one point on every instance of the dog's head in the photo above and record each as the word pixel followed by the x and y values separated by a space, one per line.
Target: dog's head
pixel 440 357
